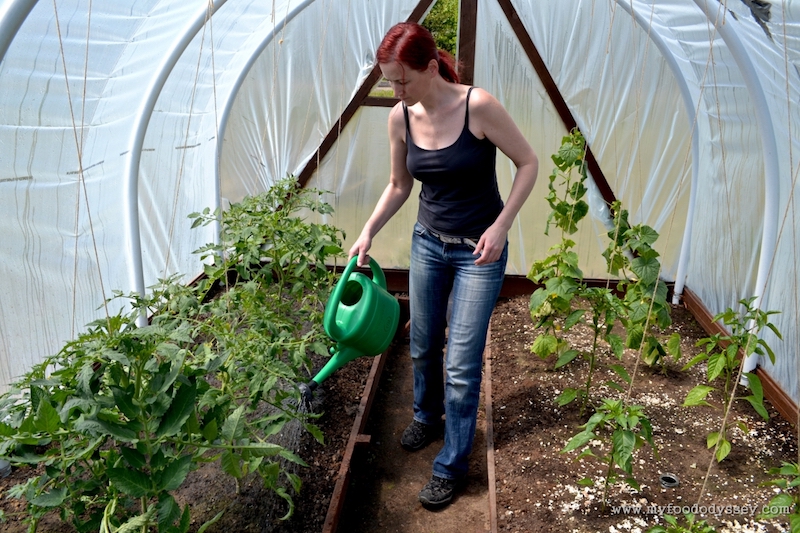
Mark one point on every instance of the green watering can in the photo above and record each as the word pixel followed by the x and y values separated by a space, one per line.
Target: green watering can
pixel 361 316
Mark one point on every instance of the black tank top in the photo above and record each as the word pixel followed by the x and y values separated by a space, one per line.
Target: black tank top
pixel 459 194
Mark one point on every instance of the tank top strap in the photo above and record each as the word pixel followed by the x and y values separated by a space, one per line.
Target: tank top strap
pixel 466 117
pixel 405 113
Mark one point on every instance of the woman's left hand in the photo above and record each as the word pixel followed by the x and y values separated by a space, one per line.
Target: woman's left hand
pixel 490 246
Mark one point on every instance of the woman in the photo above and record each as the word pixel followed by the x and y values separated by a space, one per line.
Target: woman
pixel 445 135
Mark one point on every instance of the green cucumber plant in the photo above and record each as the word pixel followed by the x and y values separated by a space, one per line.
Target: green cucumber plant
pixel 630 255
pixel 561 280
pixel 723 355
pixel 552 305
pixel 606 308
pixel 559 270
pixel 553 309
pixel 121 414
pixel 625 428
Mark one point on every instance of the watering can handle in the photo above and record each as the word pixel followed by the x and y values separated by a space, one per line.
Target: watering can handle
pixel 329 319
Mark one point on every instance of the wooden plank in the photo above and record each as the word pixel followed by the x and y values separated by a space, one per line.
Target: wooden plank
pixel 376 101
pixel 467 27
pixel 487 400
pixel 356 438
pixel 555 96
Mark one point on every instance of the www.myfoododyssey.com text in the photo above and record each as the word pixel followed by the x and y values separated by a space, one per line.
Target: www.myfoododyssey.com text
pixel 700 510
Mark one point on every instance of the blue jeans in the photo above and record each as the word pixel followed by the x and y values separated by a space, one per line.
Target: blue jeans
pixel 436 270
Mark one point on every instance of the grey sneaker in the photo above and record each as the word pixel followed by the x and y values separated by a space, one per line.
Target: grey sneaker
pixel 438 492
pixel 418 435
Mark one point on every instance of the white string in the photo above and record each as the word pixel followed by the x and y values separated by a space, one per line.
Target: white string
pixel 208 23
pixel 276 54
pixel 81 181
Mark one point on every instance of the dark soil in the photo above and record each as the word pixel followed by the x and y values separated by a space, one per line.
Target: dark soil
pixel 537 485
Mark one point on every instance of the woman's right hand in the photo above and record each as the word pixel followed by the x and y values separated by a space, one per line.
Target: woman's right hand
pixel 360 248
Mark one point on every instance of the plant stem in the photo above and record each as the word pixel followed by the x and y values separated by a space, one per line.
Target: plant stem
pixel 591 370
pixel 143 503
pixel 607 478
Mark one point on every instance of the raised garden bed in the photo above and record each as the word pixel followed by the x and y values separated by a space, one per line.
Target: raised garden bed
pixel 538 486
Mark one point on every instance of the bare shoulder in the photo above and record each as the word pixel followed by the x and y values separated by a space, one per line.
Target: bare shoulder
pixel 482 101
pixel 397 123
pixel 486 112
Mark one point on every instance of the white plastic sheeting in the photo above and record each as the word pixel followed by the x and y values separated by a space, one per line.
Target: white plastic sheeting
pixel 168 107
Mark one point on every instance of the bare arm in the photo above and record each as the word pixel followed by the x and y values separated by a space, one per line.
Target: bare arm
pixel 491 120
pixel 396 192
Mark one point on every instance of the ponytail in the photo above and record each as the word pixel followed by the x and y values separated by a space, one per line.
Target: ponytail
pixel 447 66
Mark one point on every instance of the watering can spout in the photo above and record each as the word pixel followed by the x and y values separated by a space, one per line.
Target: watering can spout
pixel 343 356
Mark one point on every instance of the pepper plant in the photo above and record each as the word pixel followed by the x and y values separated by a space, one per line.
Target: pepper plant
pixel 688 524
pixel 723 355
pixel 786 504
pixel 621 429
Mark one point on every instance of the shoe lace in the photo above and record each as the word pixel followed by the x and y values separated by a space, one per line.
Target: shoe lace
pixel 439 485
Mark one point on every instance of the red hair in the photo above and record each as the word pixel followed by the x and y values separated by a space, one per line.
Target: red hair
pixel 412 44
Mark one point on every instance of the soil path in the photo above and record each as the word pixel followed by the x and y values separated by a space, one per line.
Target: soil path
pixel 382 495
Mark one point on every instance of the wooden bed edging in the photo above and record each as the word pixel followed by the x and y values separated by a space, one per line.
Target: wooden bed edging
pixel 487 400
pixel 357 438
pixel 773 392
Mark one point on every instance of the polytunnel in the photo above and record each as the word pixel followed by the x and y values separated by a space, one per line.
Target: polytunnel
pixel 119 119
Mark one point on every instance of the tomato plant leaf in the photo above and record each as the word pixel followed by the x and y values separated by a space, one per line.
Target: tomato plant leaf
pixel 234 425
pixel 175 473
pixel 168 511
pixel 54 498
pixel 47 419
pixel 178 412
pixel 231 464
pixel 134 483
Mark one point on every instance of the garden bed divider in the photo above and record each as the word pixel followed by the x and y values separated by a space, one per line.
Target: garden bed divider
pixel 487 400
pixel 357 438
